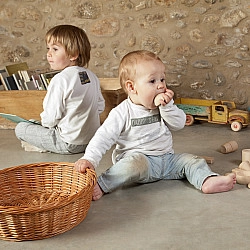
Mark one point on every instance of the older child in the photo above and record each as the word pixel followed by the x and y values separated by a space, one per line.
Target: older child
pixel 140 127
pixel 73 101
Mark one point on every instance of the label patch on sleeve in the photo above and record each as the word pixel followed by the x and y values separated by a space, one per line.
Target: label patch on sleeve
pixel 84 78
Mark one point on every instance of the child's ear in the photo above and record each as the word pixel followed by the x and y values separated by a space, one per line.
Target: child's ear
pixel 73 58
pixel 130 86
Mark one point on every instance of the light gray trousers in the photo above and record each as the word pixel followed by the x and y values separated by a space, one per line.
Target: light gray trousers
pixel 46 139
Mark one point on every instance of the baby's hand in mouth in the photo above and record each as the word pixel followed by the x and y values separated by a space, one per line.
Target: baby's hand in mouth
pixel 164 98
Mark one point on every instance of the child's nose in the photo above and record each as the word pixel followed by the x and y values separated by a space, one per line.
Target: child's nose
pixel 48 53
pixel 161 85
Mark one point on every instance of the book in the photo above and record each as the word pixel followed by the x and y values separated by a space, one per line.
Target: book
pixel 17 119
pixel 24 75
pixel 3 75
pixel 19 81
pixel 35 76
pixel 14 68
pixel 46 77
pixel 2 71
pixel 11 83
pixel 38 81
pixel 31 85
pixel 45 84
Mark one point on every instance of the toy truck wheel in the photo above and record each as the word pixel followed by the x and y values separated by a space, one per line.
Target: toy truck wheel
pixel 236 126
pixel 189 120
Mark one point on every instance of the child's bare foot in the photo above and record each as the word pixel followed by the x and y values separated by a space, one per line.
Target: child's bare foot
pixel 97 193
pixel 30 148
pixel 217 184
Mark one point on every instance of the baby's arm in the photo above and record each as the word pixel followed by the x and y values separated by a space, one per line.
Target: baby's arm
pixel 173 117
pixel 82 164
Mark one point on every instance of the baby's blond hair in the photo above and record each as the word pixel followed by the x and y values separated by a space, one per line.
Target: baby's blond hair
pixel 127 68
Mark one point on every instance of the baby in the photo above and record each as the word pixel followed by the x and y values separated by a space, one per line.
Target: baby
pixel 140 127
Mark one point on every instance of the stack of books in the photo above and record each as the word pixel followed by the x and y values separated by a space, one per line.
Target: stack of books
pixel 20 77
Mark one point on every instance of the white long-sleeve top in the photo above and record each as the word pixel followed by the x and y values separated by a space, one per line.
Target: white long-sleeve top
pixel 133 128
pixel 73 107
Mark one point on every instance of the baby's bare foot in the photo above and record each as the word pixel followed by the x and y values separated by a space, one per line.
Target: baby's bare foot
pixel 97 193
pixel 218 184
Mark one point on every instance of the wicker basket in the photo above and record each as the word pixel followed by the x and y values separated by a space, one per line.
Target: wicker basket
pixel 42 200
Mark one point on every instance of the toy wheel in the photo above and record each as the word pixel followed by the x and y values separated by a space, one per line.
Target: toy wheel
pixel 189 120
pixel 236 126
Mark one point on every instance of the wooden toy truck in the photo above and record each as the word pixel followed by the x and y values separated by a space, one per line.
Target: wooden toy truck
pixel 213 111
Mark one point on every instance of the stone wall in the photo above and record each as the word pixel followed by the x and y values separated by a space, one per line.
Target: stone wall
pixel 204 43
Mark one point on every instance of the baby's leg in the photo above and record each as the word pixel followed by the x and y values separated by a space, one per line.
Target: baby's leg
pixel 200 175
pixel 128 170
pixel 218 184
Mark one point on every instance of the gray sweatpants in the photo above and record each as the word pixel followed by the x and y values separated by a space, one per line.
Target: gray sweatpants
pixel 46 139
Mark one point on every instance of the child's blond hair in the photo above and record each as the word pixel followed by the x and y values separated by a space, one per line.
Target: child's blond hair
pixel 127 68
pixel 74 40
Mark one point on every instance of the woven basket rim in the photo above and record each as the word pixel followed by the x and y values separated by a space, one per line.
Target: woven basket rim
pixel 49 206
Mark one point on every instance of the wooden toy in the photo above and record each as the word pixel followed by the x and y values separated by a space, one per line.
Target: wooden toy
pixel 213 111
pixel 229 147
pixel 209 159
pixel 245 154
pixel 243 173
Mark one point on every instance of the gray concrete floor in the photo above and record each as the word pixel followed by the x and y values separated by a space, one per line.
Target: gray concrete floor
pixel 163 215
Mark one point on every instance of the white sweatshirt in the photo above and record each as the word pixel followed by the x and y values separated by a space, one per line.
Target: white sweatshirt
pixel 133 128
pixel 73 107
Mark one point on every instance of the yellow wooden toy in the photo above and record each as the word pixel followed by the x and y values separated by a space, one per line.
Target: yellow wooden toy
pixel 213 111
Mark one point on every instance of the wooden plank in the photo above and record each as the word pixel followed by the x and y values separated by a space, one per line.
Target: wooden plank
pixel 24 103
pixel 112 93
pixel 110 83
